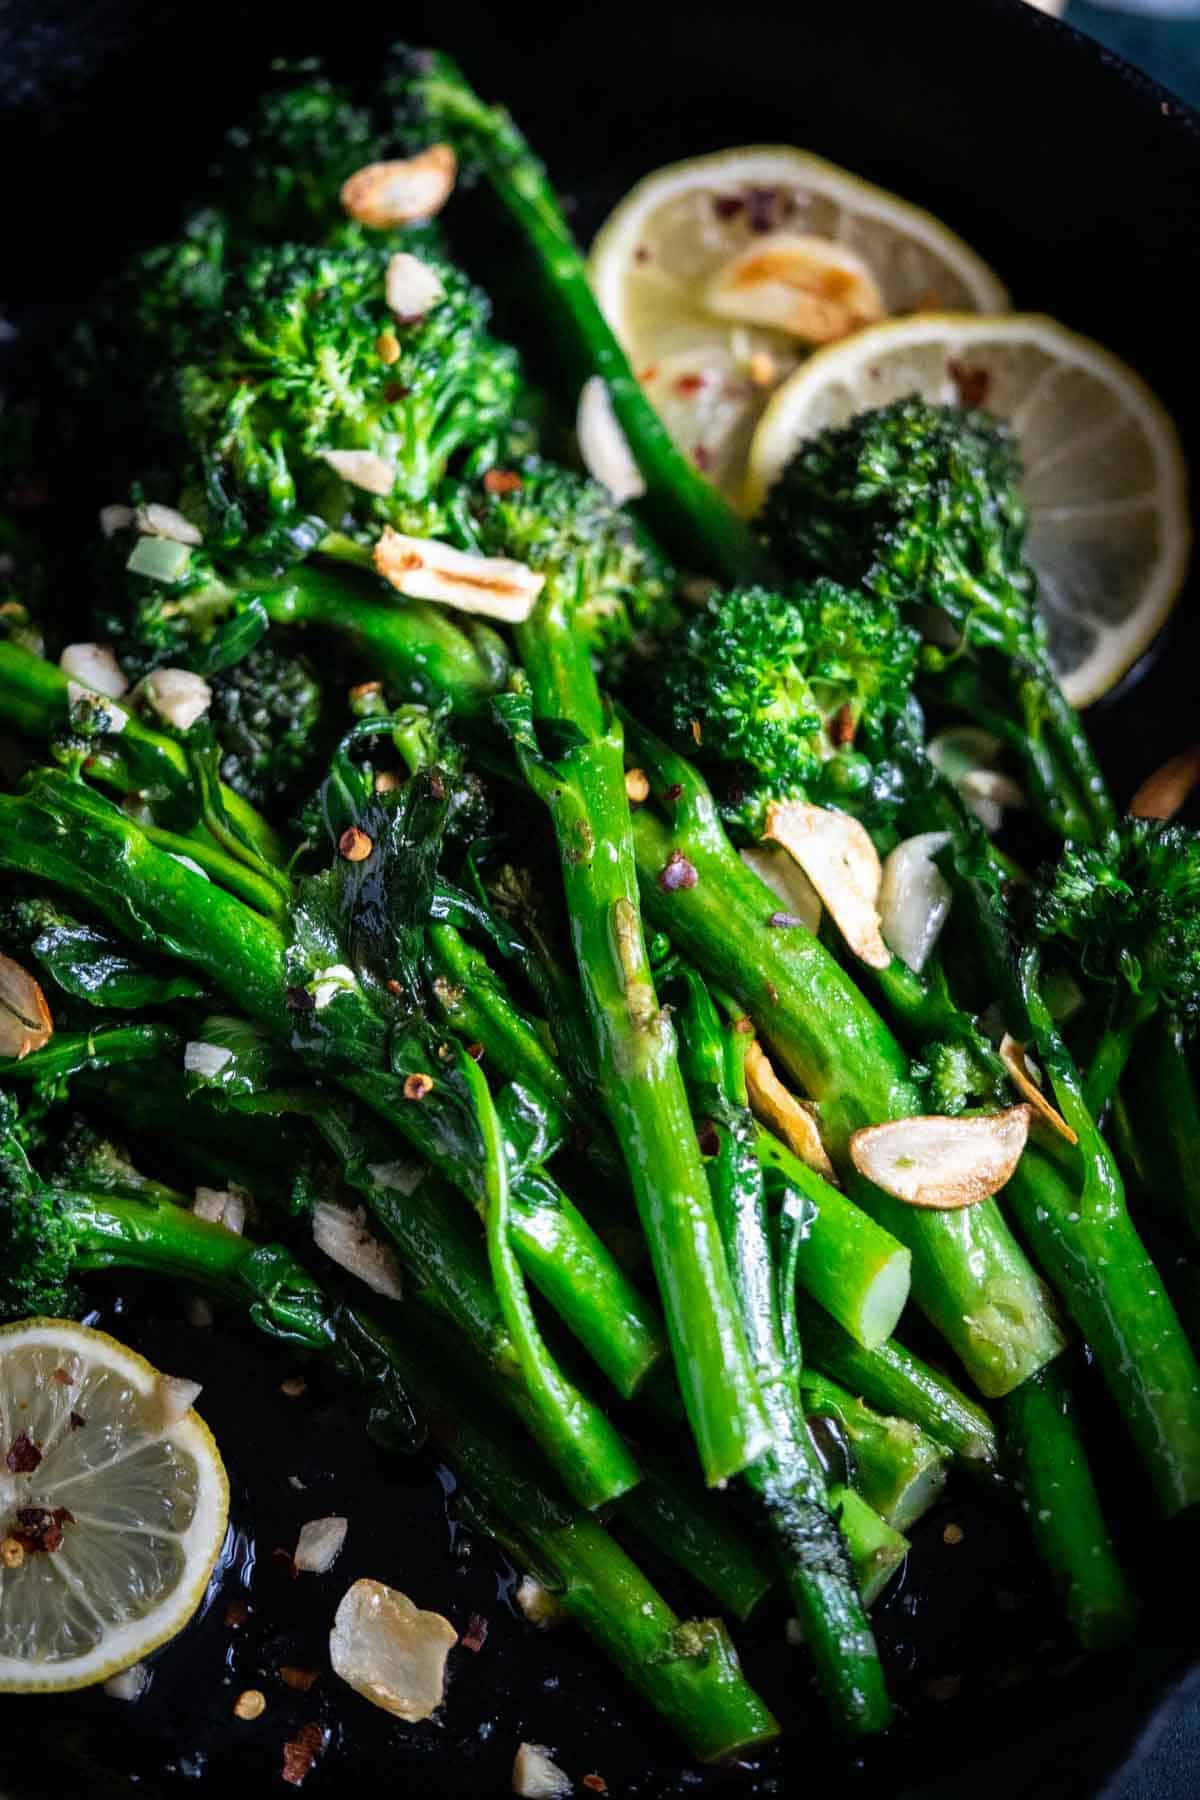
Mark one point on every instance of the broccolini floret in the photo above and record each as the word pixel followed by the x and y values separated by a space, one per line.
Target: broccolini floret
pixel 777 693
pixel 268 719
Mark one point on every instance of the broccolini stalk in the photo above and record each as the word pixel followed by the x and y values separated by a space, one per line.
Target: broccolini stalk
pixel 1089 1247
pixel 1166 1118
pixel 1063 1509
pixel 898 1470
pixel 968 1274
pixel 573 759
pixel 892 1379
pixel 34 700
pixel 786 1480
pixel 856 1270
pixel 876 1548
pixel 435 103
pixel 70 1052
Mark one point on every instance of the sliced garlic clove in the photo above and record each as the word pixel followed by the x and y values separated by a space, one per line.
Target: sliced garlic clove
pixel 346 1238
pixel 391 1652
pixel 362 469
pixel 25 1022
pixel 787 881
pixel 535 1776
pixel 96 668
pixel 812 288
pixel 782 1113
pixel 178 696
pixel 603 446
pixel 1013 1056
pixel 425 569
pixel 942 1163
pixel 914 898
pixel 319 1544
pixel 166 522
pixel 839 859
pixel 1162 794
pixel 413 288
pixel 401 192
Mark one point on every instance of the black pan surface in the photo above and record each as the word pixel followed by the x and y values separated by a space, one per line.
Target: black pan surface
pixel 1077 179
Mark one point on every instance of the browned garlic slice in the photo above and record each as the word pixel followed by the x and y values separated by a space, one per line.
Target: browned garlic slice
pixel 782 1113
pixel 319 1544
pixel 413 288
pixel 939 1162
pixel 810 287
pixel 96 668
pixel 398 193
pixel 346 1238
pixel 178 696
pixel 839 859
pixel 1013 1056
pixel 1163 793
pixel 787 881
pixel 602 444
pixel 391 1652
pixel 914 898
pixel 426 569
pixel 175 1398
pixel 362 469
pixel 535 1776
pixel 25 1022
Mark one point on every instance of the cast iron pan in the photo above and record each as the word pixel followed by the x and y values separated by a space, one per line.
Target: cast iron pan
pixel 1077 179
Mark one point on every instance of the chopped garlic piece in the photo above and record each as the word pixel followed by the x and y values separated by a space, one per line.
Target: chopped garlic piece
pixel 536 1777
pixel 116 518
pixel 839 859
pixel 175 1399
pixel 165 522
pixel 130 1684
pixel 914 898
pixel 205 1060
pixel 95 667
pixel 812 288
pixel 400 192
pixel 413 288
pixel 178 696
pixel 362 469
pixel 538 1604
pixel 939 1162
pixel 346 1238
pixel 782 1113
pixel 221 1206
pixel 319 1544
pixel 602 444
pixel 425 569
pixel 391 1652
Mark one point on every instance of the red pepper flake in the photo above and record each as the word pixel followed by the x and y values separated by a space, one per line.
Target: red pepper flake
pixel 679 873
pixel 767 208
pixel 697 734
pixel 23 1455
pixel 475 1052
pixel 237 1614
pixel 417 1086
pixel 675 792
pixel 354 844
pixel 842 725
pixel 62 1378
pixel 302 1751
pixel 502 481
pixel 77 1421
pixel 475 1636
pixel 708 1137
pixel 688 384
pixel 394 391
pixel 744 1026
pixel 646 375
pixel 781 920
pixel 393 987
pixel 641 254
pixel 972 384
pixel 300 1679
pixel 702 457
pixel 727 206
pixel 596 1783
pixel 40 1529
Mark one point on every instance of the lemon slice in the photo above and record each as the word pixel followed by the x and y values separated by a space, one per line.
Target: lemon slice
pixel 111 1521
pixel 1105 479
pixel 720 275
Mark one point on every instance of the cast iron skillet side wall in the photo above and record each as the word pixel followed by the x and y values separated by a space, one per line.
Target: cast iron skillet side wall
pixel 1076 177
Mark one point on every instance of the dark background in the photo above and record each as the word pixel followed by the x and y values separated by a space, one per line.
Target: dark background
pixel 1078 180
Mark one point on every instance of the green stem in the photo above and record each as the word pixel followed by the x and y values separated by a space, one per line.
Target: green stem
pixel 686 1528
pixel 1062 1506
pixel 257 890
pixel 899 1471
pixel 853 1267
pixel 682 507
pixel 635 1043
pixel 1092 1253
pixel 69 1052
pixel 968 1273
pixel 1167 1120
pixel 876 1548
pixel 1112 1053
